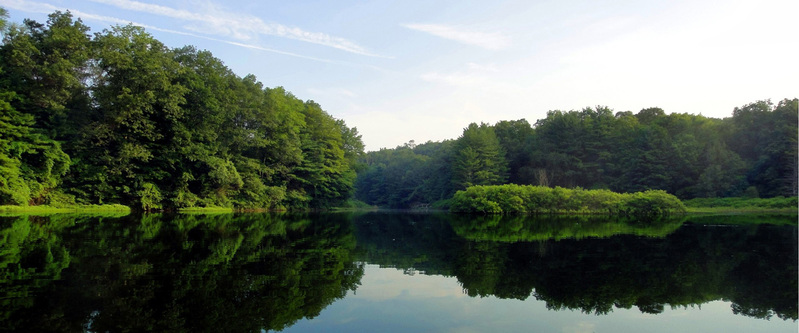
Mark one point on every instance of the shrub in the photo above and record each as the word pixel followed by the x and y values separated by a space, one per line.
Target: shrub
pixel 149 197
pixel 518 199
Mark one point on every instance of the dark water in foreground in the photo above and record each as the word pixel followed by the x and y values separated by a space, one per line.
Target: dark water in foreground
pixel 396 272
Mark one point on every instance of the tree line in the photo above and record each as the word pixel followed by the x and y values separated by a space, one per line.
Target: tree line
pixel 118 117
pixel 751 154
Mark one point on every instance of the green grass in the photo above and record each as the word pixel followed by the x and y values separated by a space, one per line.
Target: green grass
pixel 738 202
pixel 76 209
pixel 737 205
pixel 205 210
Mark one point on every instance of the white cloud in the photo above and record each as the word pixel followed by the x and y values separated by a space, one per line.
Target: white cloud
pixel 214 20
pixel 44 8
pixel 486 40
pixel 28 6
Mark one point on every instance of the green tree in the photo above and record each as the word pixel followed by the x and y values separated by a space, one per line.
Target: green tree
pixel 47 65
pixel 31 164
pixel 38 71
pixel 3 19
pixel 574 148
pixel 138 112
pixel 478 158
pixel 516 137
pixel 323 178
pixel 765 137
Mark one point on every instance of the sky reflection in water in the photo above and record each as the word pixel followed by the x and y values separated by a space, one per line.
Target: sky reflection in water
pixel 389 300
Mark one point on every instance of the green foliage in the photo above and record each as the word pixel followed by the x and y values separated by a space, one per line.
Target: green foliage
pixel 31 164
pixel 519 199
pixel 150 197
pixel 478 159
pixel 515 137
pixel 324 173
pixel 766 139
pixel 408 176
pixel 46 66
pixel 3 19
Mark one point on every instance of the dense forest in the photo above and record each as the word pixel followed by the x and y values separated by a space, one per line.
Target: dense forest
pixel 118 117
pixel 751 154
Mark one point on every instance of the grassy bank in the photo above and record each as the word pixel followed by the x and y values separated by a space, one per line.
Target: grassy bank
pixel 76 209
pixel 205 210
pixel 521 199
pixel 777 205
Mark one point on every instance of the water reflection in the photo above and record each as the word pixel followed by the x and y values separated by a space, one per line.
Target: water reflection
pixel 160 273
pixel 556 227
pixel 575 264
pixel 256 272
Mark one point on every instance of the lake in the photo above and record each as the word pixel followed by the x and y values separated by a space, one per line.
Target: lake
pixel 397 272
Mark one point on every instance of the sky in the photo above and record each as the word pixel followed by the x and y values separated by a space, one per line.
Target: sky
pixel 423 70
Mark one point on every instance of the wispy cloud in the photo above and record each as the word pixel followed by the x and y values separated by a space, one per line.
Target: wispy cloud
pixel 214 20
pixel 486 40
pixel 44 8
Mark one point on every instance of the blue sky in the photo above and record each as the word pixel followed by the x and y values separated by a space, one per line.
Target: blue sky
pixel 423 70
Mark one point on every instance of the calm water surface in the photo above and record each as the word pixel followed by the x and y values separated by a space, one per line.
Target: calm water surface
pixel 396 272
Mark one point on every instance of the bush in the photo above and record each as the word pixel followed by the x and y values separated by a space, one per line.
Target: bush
pixel 149 197
pixel 518 199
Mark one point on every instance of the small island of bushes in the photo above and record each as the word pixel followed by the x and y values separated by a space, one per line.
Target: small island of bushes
pixel 528 199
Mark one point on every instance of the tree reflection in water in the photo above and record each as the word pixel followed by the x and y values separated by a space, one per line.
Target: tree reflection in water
pixel 254 272
pixel 594 264
pixel 239 273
